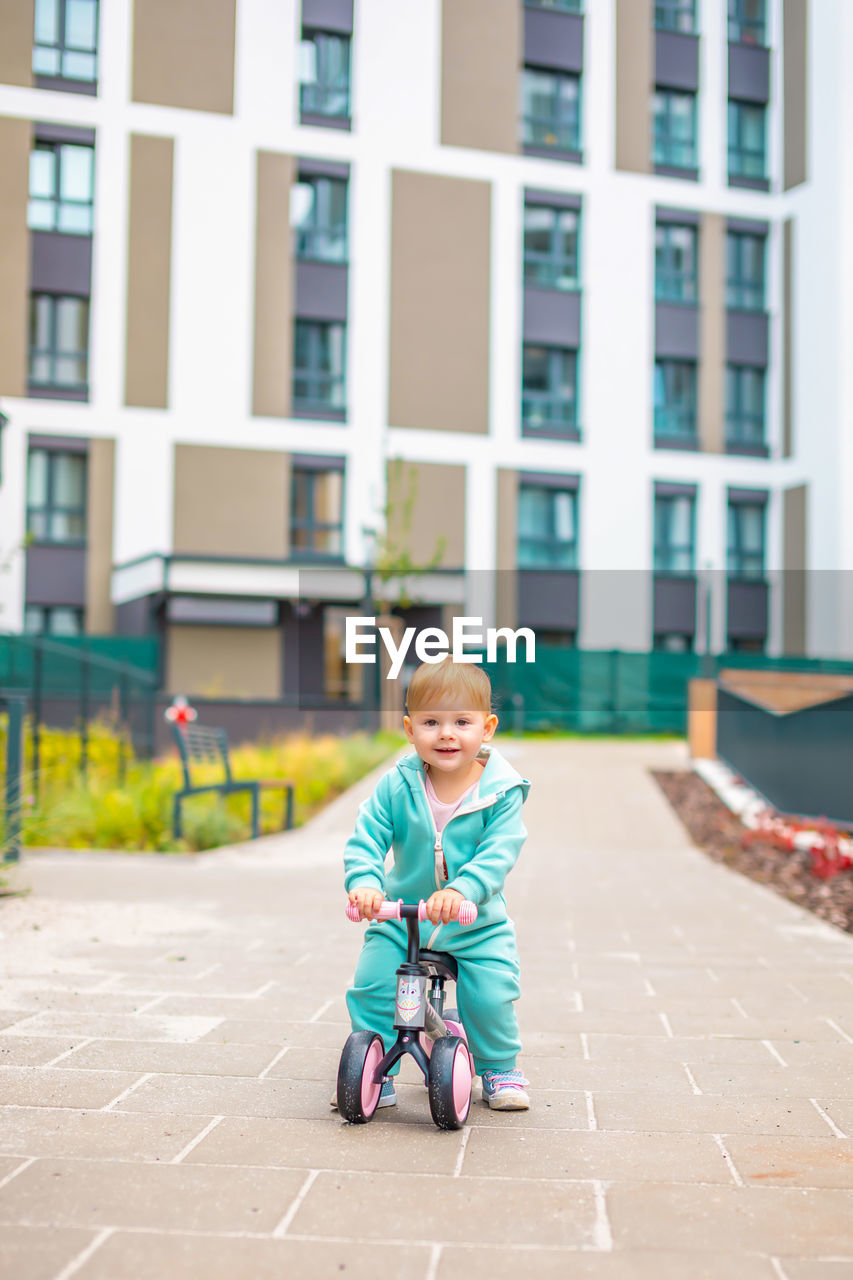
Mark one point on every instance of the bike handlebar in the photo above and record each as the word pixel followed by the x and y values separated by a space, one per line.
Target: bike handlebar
pixel 400 910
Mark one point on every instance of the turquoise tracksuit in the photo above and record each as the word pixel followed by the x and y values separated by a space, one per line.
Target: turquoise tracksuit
pixel 474 854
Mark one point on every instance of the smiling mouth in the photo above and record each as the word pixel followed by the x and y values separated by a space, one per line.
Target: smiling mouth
pixel 447 751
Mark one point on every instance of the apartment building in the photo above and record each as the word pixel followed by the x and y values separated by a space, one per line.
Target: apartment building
pixel 548 297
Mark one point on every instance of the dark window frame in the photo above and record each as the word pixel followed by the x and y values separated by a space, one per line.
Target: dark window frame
pixel 315 96
pixel 743 29
pixel 667 552
pixel 309 237
pixel 743 291
pixel 739 156
pixel 560 130
pixel 745 425
pixel 668 150
pixel 672 283
pixel 47 611
pixel 675 419
pixel 549 270
pixel 310 526
pixel 51 352
pixel 313 374
pixel 560 412
pixel 675 15
pixel 742 564
pixel 50 507
pixel 63 48
pixel 559 552
pixel 560 6
pixel 57 201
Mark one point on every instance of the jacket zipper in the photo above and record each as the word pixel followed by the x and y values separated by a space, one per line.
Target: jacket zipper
pixel 438 848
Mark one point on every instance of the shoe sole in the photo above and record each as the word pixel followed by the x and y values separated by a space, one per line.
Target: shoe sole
pixel 507 1104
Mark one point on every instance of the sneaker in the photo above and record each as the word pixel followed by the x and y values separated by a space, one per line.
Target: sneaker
pixel 504 1090
pixel 387 1096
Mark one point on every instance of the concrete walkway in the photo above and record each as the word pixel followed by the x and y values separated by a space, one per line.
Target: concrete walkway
pixel 170 1028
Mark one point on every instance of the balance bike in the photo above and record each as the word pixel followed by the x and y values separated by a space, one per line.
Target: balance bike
pixel 437 1041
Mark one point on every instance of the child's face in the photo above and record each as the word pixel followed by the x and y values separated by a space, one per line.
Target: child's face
pixel 448 737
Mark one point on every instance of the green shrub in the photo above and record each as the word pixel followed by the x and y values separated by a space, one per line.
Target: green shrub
pixel 61 809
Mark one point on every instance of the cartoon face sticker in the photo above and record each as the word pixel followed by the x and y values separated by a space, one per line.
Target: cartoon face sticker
pixel 408 998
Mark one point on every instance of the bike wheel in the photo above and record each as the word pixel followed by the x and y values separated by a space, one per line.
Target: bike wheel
pixel 455 1027
pixel 450 1082
pixel 358 1092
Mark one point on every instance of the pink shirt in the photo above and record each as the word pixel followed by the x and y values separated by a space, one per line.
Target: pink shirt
pixel 442 812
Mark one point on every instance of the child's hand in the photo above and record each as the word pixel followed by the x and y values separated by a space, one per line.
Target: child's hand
pixel 368 901
pixel 444 906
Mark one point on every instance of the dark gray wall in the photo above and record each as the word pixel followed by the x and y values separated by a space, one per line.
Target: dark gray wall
pixel 802 762
pixel 677 60
pixel 56 575
pixel 61 263
pixel 548 598
pixel 674 604
pixel 328 15
pixel 746 610
pixel 749 73
pixel 552 316
pixel 676 331
pixel 553 39
pixel 746 337
pixel 321 291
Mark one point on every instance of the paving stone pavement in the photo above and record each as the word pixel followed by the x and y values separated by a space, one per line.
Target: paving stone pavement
pixel 170 1028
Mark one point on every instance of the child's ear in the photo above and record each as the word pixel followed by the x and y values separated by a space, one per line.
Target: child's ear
pixel 407 725
pixel 489 727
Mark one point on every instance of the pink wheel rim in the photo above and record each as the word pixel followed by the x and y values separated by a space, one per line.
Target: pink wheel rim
pixel 461 1082
pixel 369 1091
pixel 457 1029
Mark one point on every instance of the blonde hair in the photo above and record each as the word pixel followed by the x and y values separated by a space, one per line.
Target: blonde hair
pixel 463 681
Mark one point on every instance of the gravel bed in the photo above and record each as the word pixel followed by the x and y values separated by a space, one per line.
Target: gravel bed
pixel 717 831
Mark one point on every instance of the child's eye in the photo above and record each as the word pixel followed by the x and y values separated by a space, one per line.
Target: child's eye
pixel 463 722
pixel 428 723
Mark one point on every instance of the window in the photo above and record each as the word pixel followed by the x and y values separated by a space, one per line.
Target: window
pixel 746 540
pixel 674 533
pixel 318 366
pixel 65 39
pixel 547 528
pixel 747 22
pixel 548 388
pixel 53 620
pixel 319 217
pixel 675 263
pixel 745 271
pixel 565 6
pixel 316 511
pixel 747 141
pixel 59 339
pixel 324 74
pixel 744 404
pixel 61 188
pixel 56 496
pixel 676 15
pixel 550 110
pixel 674 144
pixel 675 400
pixel 672 642
pixel 551 247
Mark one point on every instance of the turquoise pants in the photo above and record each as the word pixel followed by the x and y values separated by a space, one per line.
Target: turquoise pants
pixel 486 991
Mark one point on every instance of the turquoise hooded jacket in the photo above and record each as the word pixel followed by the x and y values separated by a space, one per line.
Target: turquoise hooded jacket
pixel 474 854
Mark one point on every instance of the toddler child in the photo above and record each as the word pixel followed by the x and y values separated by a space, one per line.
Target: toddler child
pixel 451 812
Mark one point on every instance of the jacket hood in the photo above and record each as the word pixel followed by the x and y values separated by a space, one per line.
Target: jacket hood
pixel 498 776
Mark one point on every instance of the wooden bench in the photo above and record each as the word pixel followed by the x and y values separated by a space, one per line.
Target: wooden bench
pixel 201 744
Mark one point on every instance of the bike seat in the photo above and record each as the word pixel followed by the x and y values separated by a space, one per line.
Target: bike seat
pixel 439 963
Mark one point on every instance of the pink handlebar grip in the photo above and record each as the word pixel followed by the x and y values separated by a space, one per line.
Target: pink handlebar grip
pixel 391 911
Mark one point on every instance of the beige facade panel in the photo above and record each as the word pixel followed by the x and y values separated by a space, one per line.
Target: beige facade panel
pixel 482 47
pixel 426 512
pixel 273 351
pixel 16 41
pixel 183 53
pixel 230 502
pixel 635 82
pixel 787 338
pixel 712 334
pixel 149 272
pixel 795 559
pixel 440 262
pixel 227 662
pixel 795 18
pixel 14 254
pixel 507 548
pixel 99 532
